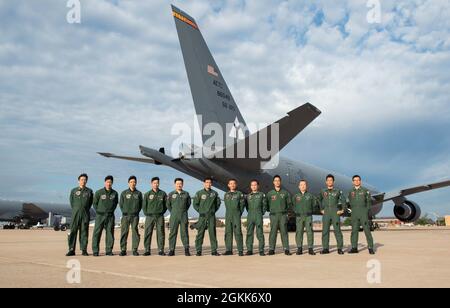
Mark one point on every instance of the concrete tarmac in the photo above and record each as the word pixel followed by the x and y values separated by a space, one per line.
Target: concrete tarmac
pixel 409 258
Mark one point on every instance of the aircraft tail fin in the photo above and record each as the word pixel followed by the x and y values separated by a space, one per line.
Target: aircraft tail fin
pixel 212 97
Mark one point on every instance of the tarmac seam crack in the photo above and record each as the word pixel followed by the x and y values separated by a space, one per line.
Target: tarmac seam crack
pixel 187 284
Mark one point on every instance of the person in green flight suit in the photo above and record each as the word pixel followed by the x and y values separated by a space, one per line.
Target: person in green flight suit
pixel 359 202
pixel 256 206
pixel 304 204
pixel 332 205
pixel 105 203
pixel 234 207
pixel 154 209
pixel 130 204
pixel 178 203
pixel 81 199
pixel 279 202
pixel 206 203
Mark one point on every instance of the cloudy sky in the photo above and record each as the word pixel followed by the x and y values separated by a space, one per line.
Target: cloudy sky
pixel 117 80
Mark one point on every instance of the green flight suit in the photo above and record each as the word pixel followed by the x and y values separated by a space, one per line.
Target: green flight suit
pixel 206 203
pixel 130 204
pixel 154 209
pixel 360 202
pixel 279 202
pixel 304 206
pixel 234 207
pixel 256 206
pixel 178 205
pixel 81 203
pixel 105 203
pixel 331 201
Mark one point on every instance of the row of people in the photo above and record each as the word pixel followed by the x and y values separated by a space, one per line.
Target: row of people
pixel 154 204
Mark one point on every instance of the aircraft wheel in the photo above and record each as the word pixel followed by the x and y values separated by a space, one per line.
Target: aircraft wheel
pixel 63 228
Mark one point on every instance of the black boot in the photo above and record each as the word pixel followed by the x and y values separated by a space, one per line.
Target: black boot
pixel 199 254
pixel 171 253
pixel 161 253
pixel 187 252
pixel 340 252
pixel 371 251
pixel 353 251
pixel 311 252
pixel 325 252
pixel 147 253
pixel 123 253
pixel 70 253
pixel 299 251
pixel 228 253
pixel 287 253
pixel 109 254
pixel 262 254
pixel 215 254
pixel 249 253
pixel 95 254
pixel 241 253
pixel 271 252
pixel 135 253
pixel 84 253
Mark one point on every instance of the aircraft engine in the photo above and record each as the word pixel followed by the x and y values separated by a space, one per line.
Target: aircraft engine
pixel 408 211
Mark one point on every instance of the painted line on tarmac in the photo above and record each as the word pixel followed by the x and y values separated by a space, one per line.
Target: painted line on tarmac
pixel 182 283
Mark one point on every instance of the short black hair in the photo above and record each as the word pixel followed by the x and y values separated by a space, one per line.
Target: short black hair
pixel 132 178
pixel 207 179
pixel 178 179
pixel 109 177
pixel 303 180
pixel 356 176
pixel 254 180
pixel 155 179
pixel 330 176
pixel 276 177
pixel 232 180
pixel 83 175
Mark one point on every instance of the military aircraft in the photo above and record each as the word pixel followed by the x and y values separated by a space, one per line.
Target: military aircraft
pixel 215 104
pixel 26 214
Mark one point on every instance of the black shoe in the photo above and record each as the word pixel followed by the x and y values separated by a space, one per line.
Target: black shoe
pixel 199 254
pixel 271 252
pixel 353 251
pixel 371 251
pixel 228 253
pixel 70 253
pixel 215 253
pixel 262 254
pixel 147 253
pixel 299 252
pixel 311 252
pixel 95 254
pixel 187 253
pixel 171 253
pixel 249 253
pixel 161 253
pixel 109 254
pixel 122 253
pixel 325 252
pixel 287 253
pixel 241 254
pixel 84 253
pixel 135 253
pixel 340 252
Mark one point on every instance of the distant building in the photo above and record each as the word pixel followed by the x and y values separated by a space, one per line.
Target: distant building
pixel 447 221
pixel 387 222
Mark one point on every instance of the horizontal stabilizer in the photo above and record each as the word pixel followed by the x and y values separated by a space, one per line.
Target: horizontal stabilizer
pixel 139 159
pixel 288 128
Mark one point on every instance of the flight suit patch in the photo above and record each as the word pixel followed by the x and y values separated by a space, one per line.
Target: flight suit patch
pixel 103 197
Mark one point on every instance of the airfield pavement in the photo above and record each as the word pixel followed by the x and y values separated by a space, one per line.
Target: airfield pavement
pixel 405 258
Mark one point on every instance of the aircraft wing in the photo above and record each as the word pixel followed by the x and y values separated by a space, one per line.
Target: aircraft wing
pixel 383 197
